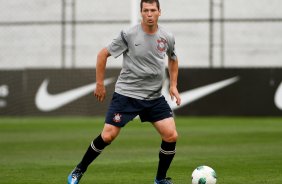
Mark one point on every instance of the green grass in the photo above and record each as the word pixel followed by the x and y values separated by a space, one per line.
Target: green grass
pixel 45 150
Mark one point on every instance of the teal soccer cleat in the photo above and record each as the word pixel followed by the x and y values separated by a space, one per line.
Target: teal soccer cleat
pixel 75 176
pixel 163 181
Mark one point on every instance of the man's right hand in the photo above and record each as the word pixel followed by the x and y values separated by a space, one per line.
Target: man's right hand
pixel 100 92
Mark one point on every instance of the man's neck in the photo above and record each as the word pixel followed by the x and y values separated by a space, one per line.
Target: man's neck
pixel 149 29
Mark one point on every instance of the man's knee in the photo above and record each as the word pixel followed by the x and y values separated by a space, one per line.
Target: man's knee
pixel 171 136
pixel 108 138
pixel 109 133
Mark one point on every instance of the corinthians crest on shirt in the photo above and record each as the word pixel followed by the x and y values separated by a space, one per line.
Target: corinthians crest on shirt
pixel 117 118
pixel 162 44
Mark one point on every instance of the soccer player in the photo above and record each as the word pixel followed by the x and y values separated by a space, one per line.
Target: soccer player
pixel 138 88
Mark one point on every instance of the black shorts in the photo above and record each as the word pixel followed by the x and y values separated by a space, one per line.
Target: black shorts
pixel 124 109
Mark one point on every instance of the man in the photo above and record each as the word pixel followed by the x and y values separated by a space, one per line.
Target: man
pixel 138 88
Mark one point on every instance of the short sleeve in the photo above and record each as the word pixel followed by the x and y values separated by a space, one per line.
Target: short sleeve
pixel 118 45
pixel 171 53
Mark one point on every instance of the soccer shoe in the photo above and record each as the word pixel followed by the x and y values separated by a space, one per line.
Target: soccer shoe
pixel 75 176
pixel 163 181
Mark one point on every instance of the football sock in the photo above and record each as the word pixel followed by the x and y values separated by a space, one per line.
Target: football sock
pixel 166 154
pixel 93 151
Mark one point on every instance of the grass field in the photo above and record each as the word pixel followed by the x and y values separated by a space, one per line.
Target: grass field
pixel 45 150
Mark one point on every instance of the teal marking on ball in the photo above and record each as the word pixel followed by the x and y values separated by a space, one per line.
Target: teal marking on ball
pixel 202 181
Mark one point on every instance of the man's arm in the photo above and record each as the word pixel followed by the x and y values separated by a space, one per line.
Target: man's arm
pixel 100 92
pixel 173 75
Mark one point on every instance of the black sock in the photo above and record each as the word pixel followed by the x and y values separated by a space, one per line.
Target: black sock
pixel 93 151
pixel 166 155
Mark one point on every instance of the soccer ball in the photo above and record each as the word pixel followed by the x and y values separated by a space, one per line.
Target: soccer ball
pixel 204 175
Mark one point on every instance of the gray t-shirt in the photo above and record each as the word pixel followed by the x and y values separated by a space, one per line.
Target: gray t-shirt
pixel 143 69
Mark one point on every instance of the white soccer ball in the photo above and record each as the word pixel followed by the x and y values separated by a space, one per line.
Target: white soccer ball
pixel 204 175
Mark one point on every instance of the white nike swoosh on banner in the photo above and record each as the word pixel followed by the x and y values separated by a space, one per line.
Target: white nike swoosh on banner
pixel 190 96
pixel 278 97
pixel 48 102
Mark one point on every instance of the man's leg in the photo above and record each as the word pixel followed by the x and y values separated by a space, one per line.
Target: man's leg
pixel 108 134
pixel 167 130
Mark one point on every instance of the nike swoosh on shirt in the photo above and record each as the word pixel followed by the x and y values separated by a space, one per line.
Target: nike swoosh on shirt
pixel 278 97
pixel 190 96
pixel 48 102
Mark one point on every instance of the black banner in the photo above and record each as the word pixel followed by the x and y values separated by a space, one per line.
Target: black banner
pixel 226 92
pixel 250 94
pixel 11 92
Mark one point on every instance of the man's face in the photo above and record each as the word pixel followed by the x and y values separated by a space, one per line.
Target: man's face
pixel 150 14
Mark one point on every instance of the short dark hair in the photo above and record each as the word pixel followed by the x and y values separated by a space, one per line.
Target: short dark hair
pixel 151 2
